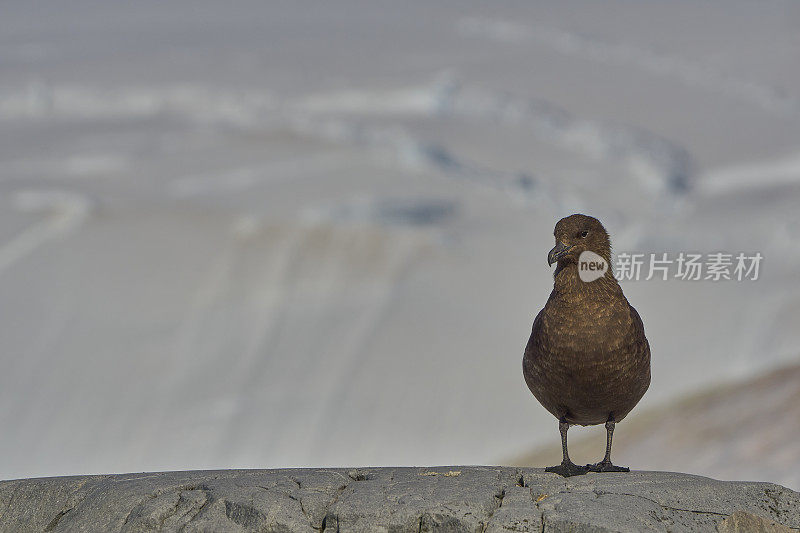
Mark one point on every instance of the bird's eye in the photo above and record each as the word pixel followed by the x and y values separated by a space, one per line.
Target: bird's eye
pixel 583 234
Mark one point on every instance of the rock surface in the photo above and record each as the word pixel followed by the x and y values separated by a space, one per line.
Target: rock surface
pixel 474 498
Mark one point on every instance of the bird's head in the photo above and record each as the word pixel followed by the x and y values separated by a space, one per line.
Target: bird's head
pixel 576 234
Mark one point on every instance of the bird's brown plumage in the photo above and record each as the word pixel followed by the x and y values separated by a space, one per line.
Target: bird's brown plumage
pixel 587 360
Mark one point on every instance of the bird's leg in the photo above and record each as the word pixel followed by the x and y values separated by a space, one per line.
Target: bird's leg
pixel 567 468
pixel 605 465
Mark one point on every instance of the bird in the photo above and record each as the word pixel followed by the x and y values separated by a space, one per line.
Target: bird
pixel 587 360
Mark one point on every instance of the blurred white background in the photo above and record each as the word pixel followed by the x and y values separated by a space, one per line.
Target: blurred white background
pixel 279 234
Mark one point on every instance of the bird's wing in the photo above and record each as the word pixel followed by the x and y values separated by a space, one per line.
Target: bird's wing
pixel 532 350
pixel 640 339
pixel 638 325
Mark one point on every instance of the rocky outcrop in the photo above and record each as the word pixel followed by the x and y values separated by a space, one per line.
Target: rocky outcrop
pixel 474 498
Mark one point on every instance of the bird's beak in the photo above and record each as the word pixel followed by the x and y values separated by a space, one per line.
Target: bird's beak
pixel 559 251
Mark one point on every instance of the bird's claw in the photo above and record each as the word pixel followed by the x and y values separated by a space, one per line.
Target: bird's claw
pixel 567 469
pixel 606 466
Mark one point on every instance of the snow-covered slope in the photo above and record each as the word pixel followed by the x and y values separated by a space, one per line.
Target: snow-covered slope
pixel 282 236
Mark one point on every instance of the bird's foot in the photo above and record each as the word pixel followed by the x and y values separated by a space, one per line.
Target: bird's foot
pixel 567 469
pixel 606 466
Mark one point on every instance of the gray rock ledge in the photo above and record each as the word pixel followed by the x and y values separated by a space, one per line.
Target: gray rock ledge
pixel 450 498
